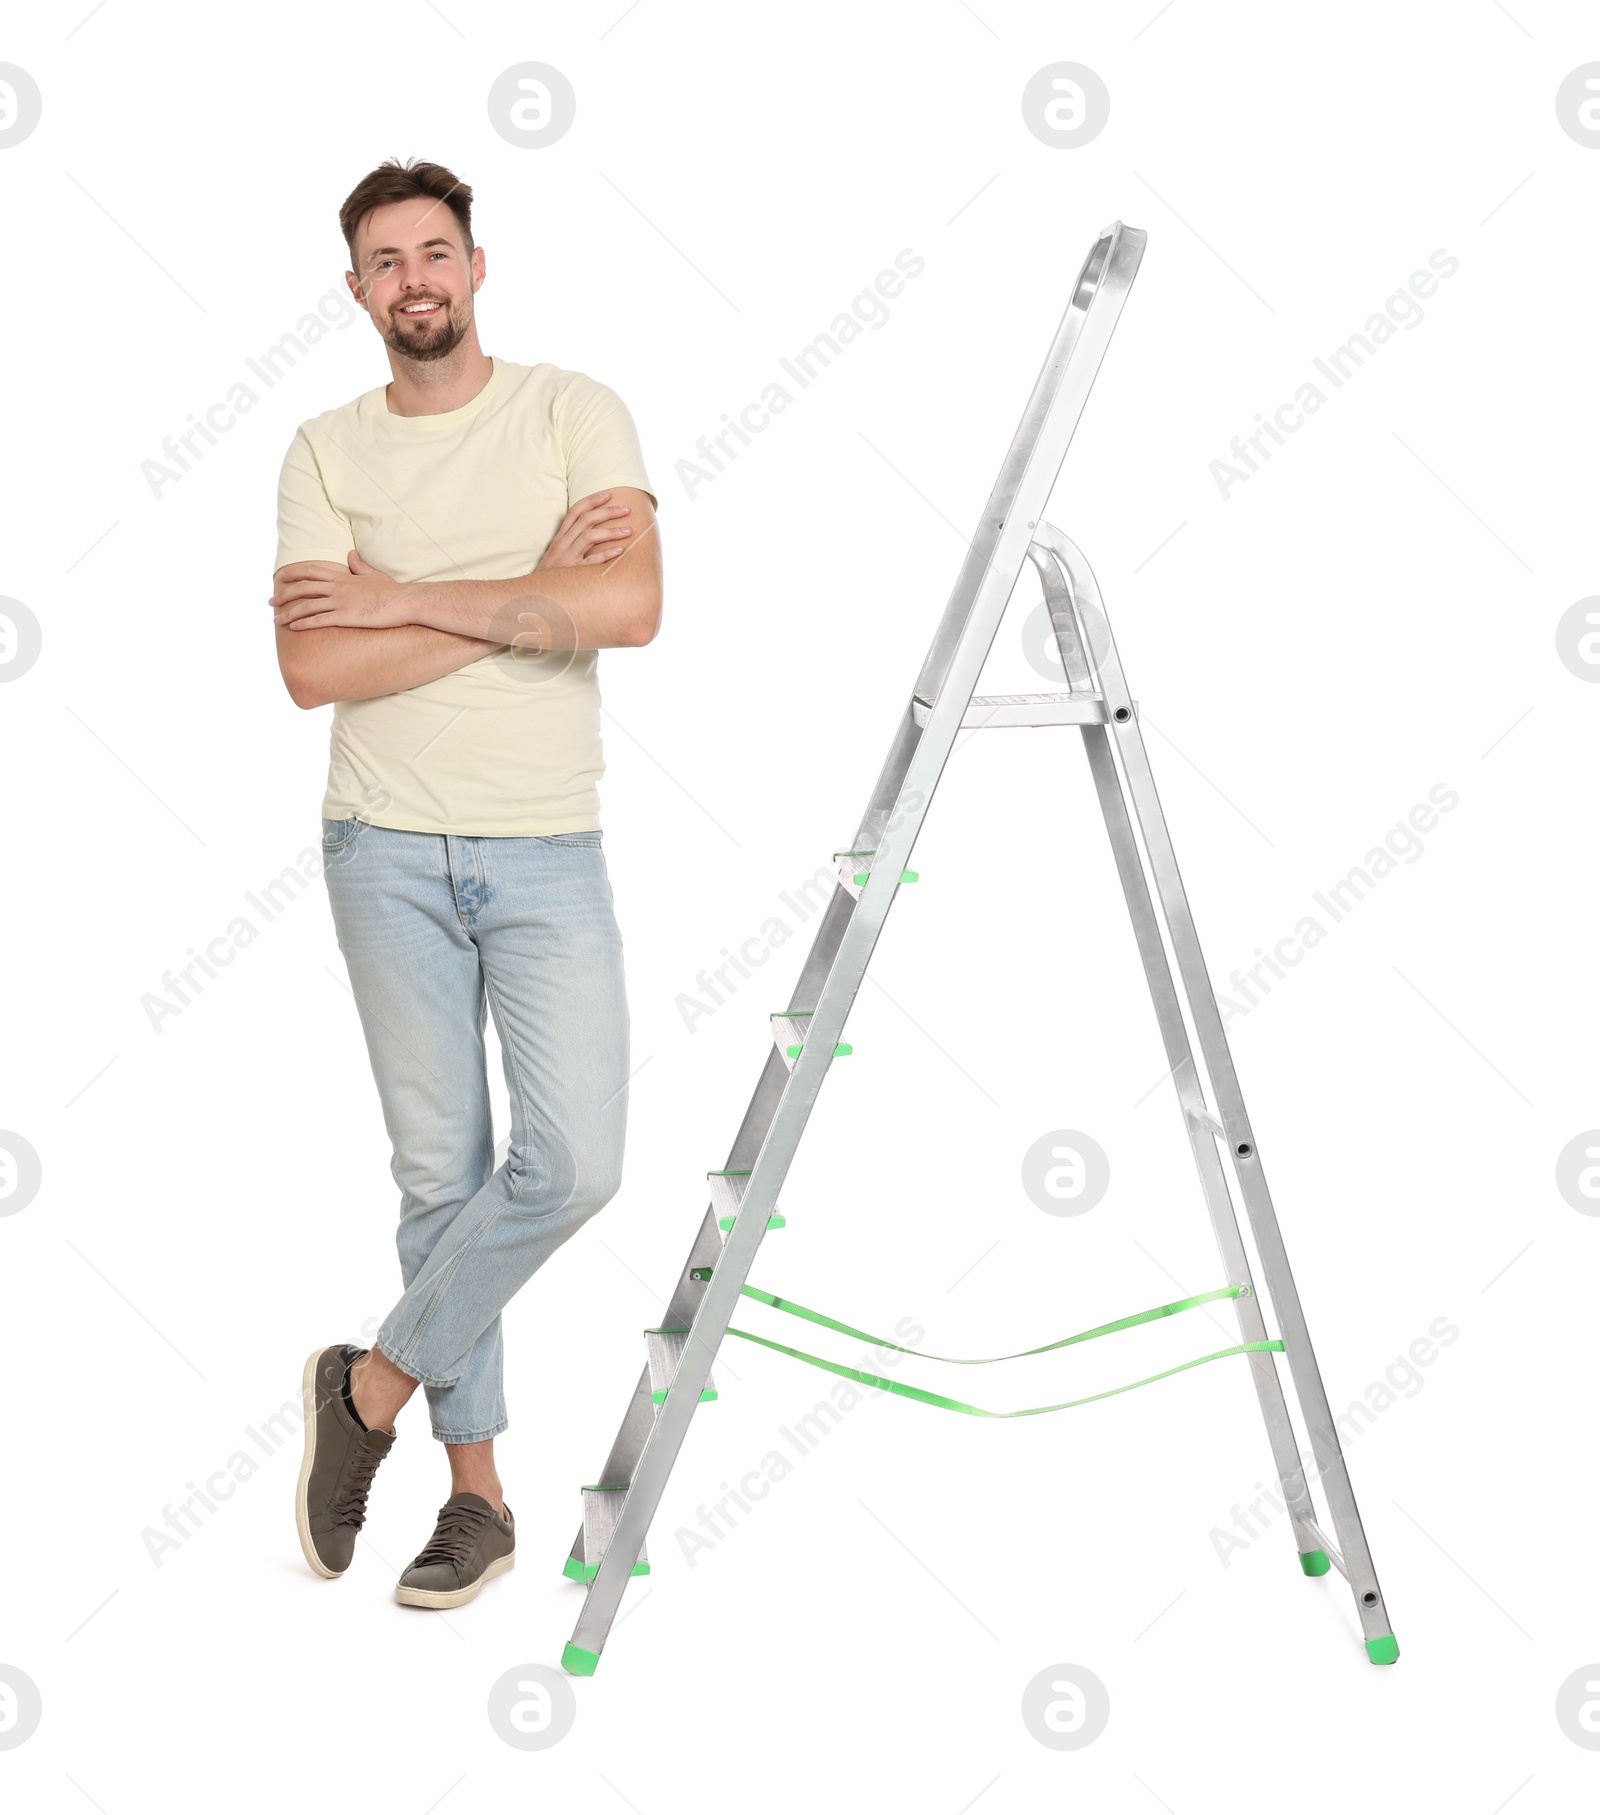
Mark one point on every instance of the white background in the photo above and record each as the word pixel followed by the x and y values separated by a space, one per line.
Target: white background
pixel 1372 614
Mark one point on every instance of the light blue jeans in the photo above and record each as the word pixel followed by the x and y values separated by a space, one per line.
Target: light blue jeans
pixel 433 927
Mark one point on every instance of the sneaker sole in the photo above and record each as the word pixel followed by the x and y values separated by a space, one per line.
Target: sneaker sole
pixel 302 1512
pixel 453 1597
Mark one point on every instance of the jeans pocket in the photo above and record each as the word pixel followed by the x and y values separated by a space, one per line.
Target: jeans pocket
pixel 590 839
pixel 338 835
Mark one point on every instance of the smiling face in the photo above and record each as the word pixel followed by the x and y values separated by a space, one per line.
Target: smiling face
pixel 415 277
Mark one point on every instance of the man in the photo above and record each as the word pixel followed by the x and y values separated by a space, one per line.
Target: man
pixel 453 550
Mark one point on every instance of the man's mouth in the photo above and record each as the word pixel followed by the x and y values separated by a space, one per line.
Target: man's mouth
pixel 419 310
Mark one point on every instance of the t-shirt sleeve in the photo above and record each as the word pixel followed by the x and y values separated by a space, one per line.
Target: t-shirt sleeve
pixel 600 440
pixel 309 528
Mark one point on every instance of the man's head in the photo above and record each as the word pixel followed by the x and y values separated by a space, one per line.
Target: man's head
pixel 413 266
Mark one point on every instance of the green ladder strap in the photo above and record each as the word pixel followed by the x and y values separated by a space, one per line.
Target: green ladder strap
pixel 882 1342
pixel 977 1411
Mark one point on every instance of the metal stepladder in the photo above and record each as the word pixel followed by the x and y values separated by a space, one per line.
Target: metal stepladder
pixel 619 1506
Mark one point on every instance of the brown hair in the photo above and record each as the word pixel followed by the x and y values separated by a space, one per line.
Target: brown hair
pixel 393 181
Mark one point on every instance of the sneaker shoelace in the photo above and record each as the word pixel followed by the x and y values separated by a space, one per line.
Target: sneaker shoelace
pixel 350 1504
pixel 454 1537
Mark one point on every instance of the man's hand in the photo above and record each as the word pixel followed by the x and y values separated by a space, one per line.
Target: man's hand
pixel 312 595
pixel 590 534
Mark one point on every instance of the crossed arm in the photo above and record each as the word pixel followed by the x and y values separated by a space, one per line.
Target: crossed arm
pixel 597 586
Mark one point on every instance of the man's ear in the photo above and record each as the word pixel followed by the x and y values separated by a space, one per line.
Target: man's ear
pixel 354 284
pixel 477 269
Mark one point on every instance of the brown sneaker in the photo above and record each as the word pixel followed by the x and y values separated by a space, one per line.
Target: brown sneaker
pixel 470 1544
pixel 340 1459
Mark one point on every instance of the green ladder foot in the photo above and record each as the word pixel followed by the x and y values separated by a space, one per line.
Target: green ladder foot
pixel 575 1571
pixel 1315 1562
pixel 578 1662
pixel 1384 1650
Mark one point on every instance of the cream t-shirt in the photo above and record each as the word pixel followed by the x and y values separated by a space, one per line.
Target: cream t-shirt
pixel 508 746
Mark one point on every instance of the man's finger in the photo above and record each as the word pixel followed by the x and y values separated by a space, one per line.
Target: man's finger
pixel 602 512
pixel 302 589
pixel 305 614
pixel 305 589
pixel 299 606
pixel 313 570
pixel 576 510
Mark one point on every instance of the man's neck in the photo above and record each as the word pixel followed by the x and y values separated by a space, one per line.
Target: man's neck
pixel 429 387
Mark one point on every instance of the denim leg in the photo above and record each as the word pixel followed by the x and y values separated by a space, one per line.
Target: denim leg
pixel 418 984
pixel 541 913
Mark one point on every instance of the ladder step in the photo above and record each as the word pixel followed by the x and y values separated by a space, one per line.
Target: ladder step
pixel 662 1349
pixel 601 1505
pixel 727 1193
pixel 789 1031
pixel 854 868
pixel 994 711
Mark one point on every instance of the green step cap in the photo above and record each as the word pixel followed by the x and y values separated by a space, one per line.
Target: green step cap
pixel 575 1571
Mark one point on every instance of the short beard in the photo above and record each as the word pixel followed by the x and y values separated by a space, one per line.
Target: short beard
pixel 439 346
